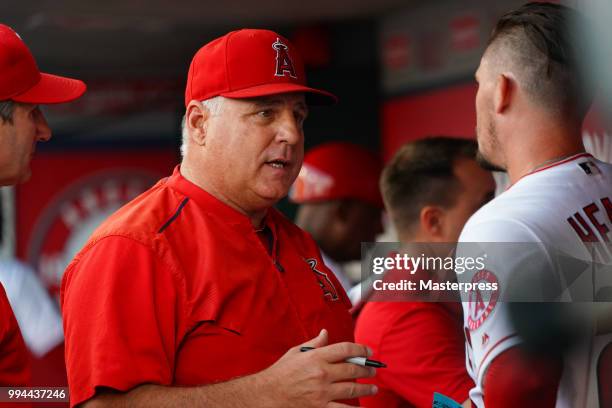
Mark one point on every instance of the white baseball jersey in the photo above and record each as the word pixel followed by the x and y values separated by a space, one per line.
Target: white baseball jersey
pixel 568 206
pixel 36 312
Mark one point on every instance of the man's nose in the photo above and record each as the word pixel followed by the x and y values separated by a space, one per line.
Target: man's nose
pixel 290 129
pixel 43 131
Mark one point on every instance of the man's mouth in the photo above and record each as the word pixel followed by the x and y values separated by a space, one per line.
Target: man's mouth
pixel 278 164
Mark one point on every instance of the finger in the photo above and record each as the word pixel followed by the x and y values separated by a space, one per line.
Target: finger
pixel 348 371
pixel 339 405
pixel 341 351
pixel 351 390
pixel 319 341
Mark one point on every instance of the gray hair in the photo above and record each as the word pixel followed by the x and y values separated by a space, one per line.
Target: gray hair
pixel 213 105
pixel 6 111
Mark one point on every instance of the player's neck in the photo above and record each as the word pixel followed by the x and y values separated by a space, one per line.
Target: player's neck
pixel 542 147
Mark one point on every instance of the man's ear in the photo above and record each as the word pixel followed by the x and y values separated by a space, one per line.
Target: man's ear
pixel 431 219
pixel 505 87
pixel 196 120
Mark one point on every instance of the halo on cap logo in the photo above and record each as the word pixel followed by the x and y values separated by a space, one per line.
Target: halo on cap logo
pixel 16 33
pixel 284 64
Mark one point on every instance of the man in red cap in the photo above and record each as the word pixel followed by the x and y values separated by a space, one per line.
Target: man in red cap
pixel 340 201
pixel 22 89
pixel 199 293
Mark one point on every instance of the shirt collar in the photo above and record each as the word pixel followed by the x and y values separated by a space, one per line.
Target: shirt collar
pixel 556 163
pixel 207 201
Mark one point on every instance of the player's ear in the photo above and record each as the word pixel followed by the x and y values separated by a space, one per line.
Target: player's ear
pixel 196 118
pixel 431 220
pixel 504 89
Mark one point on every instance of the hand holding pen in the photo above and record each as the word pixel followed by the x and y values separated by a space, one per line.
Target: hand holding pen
pixel 319 378
pixel 360 361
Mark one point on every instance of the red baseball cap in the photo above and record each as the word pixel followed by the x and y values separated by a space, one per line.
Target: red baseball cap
pixel 249 63
pixel 338 170
pixel 20 79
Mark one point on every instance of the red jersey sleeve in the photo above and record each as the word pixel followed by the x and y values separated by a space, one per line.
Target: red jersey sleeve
pixel 516 379
pixel 14 357
pixel 424 352
pixel 120 306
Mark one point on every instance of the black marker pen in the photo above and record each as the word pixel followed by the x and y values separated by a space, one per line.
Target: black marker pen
pixel 360 361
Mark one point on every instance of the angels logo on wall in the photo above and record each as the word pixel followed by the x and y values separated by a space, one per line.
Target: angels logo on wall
pixel 70 194
pixel 66 223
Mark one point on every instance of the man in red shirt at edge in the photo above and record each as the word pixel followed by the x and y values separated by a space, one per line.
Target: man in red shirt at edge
pixel 22 124
pixel 430 188
pixel 199 292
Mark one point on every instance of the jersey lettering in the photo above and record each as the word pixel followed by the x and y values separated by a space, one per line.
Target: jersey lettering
pixel 586 229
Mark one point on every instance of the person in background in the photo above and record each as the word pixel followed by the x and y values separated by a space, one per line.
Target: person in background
pixel 430 188
pixel 340 202
pixel 22 124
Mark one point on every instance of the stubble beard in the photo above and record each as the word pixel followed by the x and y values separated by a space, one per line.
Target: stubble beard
pixel 485 162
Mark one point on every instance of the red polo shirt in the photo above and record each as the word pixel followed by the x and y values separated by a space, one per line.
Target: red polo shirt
pixel 422 344
pixel 176 288
pixel 14 356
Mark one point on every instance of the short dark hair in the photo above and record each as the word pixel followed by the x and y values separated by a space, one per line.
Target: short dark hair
pixel 6 111
pixel 422 173
pixel 540 39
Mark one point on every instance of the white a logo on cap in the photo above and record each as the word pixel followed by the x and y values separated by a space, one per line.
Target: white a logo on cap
pixel 284 65
pixel 311 183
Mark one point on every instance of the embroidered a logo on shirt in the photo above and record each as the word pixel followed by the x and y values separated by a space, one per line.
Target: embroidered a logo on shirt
pixel 324 282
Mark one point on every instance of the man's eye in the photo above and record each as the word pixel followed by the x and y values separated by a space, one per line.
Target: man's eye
pixel 267 113
pixel 300 118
